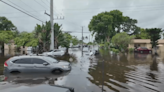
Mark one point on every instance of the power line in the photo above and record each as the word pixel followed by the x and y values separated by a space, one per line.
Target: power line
pixel 45 3
pixel 115 7
pixel 19 6
pixel 40 4
pixel 21 11
pixel 28 6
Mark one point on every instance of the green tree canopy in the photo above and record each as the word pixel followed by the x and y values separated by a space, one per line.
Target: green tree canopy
pixel 6 25
pixel 154 34
pixel 122 40
pixel 143 34
pixel 6 36
pixel 26 39
pixel 106 24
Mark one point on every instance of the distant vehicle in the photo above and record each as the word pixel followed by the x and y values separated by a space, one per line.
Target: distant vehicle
pixel 39 64
pixel 143 50
pixel 55 52
pixel 29 49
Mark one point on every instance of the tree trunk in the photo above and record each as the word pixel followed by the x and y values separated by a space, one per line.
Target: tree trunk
pixel 108 39
pixel 66 52
pixel 44 46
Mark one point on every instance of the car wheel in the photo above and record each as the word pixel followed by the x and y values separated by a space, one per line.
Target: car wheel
pixel 141 51
pixel 149 51
pixel 57 71
pixel 15 72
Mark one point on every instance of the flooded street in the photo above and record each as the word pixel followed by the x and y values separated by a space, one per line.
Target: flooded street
pixel 121 73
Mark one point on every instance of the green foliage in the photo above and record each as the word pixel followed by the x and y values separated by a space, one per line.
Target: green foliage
pixel 122 40
pixel 89 43
pixel 131 49
pixel 74 40
pixel 67 40
pixel 6 25
pixel 143 34
pixel 26 39
pixel 106 24
pixel 115 50
pixel 154 35
pixel 6 36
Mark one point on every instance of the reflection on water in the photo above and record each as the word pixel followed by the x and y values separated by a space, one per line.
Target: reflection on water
pixel 132 72
pixel 32 79
pixel 123 72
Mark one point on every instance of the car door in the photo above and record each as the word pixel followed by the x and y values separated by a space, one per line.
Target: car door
pixel 23 65
pixel 39 66
pixel 55 52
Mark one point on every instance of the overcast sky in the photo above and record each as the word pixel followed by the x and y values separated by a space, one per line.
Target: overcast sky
pixel 78 13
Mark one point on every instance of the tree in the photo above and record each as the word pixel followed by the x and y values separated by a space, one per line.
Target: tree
pixel 66 42
pixel 6 36
pixel 58 34
pixel 122 40
pixel 143 34
pixel 154 36
pixel 6 25
pixel 74 40
pixel 42 33
pixel 26 39
pixel 106 24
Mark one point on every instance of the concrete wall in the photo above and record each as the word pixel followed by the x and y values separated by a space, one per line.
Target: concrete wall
pixel 12 46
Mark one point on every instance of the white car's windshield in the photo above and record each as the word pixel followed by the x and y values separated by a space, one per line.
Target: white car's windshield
pixel 52 59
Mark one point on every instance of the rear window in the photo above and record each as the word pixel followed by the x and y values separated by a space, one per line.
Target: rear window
pixel 51 59
pixel 23 61
pixel 143 48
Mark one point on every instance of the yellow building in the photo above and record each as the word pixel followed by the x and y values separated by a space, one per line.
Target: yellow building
pixel 12 46
pixel 146 43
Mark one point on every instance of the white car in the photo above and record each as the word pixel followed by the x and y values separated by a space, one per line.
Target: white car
pixel 55 52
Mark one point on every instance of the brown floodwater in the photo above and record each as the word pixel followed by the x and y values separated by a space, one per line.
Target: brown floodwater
pixel 125 72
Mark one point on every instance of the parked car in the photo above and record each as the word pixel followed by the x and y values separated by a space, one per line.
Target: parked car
pixel 39 64
pixel 143 50
pixel 55 52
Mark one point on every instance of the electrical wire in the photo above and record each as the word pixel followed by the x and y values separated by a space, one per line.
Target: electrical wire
pixel 28 6
pixel 21 11
pixel 19 7
pixel 40 4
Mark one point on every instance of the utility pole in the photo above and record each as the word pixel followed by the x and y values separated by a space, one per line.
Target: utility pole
pixel 82 42
pixel 52 45
pixel 52 25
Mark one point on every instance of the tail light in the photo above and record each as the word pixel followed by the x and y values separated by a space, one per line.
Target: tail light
pixel 5 78
pixel 5 64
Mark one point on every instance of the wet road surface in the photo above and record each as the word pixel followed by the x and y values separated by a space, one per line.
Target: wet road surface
pixel 120 73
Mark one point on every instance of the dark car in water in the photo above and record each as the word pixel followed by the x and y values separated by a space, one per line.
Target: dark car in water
pixel 143 50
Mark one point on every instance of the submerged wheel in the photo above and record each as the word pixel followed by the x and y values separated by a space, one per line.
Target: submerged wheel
pixel 57 71
pixel 15 72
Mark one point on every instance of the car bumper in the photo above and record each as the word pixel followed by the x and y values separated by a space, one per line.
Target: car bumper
pixel 67 69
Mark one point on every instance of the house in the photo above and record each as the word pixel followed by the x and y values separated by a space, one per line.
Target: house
pixel 146 43
pixel 11 46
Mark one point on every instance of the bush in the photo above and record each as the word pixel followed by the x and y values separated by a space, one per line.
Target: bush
pixel 131 49
pixel 115 50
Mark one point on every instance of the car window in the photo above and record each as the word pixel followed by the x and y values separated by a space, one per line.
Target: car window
pixel 23 61
pixel 37 61
pixel 51 59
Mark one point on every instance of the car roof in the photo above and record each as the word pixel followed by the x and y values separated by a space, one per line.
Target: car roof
pixel 28 56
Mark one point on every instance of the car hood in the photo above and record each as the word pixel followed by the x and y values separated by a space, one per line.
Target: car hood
pixel 61 62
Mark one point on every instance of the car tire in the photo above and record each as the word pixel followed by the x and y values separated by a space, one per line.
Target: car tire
pixel 149 51
pixel 141 51
pixel 15 72
pixel 57 71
